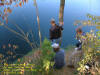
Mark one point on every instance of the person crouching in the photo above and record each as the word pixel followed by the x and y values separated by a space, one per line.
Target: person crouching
pixel 59 58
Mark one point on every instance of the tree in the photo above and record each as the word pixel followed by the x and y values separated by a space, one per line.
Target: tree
pixel 37 13
pixel 61 12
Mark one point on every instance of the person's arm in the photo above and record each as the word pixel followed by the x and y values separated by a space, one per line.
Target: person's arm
pixel 61 27
pixel 50 34
pixel 61 23
pixel 56 59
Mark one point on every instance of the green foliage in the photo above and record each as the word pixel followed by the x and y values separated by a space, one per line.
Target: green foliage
pixel 92 21
pixel 45 60
pixel 47 50
pixel 91 49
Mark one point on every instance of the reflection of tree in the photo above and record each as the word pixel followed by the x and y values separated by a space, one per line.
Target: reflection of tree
pixel 4 11
pixel 10 53
pixel 61 12
pixel 9 2
pixel 22 34
pixel 27 37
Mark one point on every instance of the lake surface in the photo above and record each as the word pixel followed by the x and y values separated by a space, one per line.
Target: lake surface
pixel 24 15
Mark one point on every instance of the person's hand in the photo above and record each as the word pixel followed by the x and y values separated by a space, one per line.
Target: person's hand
pixel 61 23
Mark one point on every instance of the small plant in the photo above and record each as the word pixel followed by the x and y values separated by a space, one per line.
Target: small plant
pixel 44 64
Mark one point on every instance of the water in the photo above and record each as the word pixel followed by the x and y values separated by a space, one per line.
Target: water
pixel 25 17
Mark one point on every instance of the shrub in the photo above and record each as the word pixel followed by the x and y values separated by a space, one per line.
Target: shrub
pixel 91 48
pixel 44 63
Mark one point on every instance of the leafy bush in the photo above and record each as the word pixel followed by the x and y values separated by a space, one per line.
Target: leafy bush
pixel 91 49
pixel 44 63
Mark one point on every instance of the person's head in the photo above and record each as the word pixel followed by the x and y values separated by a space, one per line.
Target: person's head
pixel 56 47
pixel 79 31
pixel 52 22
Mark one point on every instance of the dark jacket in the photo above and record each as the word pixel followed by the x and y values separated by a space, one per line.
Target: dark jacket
pixel 55 32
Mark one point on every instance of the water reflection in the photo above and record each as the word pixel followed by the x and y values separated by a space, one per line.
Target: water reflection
pixel 11 52
pixel 7 9
pixel 8 53
pixel 9 2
